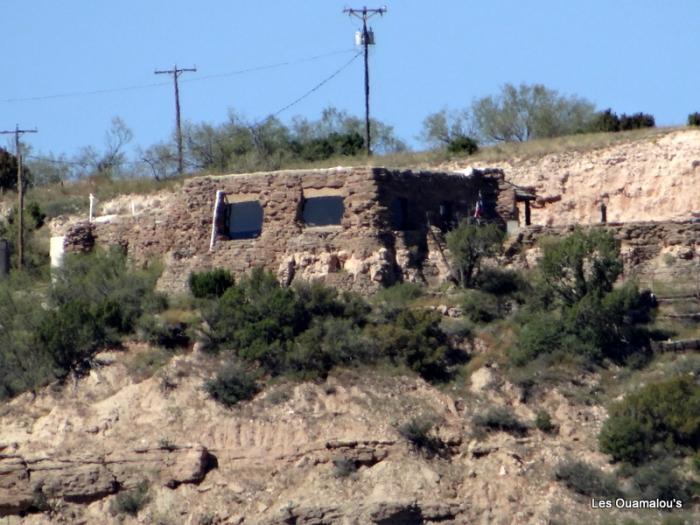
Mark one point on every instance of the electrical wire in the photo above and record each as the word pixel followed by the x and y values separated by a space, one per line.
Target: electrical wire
pixel 275 114
pixel 263 68
pixel 76 163
pixel 317 86
pixel 184 80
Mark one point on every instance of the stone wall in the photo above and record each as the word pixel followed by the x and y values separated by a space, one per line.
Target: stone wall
pixel 363 252
pixel 651 251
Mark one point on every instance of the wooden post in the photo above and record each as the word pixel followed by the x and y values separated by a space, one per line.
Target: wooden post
pixel 527 213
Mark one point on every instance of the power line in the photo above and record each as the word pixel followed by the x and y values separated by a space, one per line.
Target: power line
pixel 317 86
pixel 367 39
pixel 160 84
pixel 275 114
pixel 175 72
pixel 20 190
pixel 84 93
pixel 266 67
pixel 75 162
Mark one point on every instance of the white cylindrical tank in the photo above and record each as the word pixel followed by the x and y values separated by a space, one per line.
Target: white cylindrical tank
pixel 358 38
pixel 56 249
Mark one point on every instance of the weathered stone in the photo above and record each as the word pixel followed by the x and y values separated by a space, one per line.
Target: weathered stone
pixel 391 230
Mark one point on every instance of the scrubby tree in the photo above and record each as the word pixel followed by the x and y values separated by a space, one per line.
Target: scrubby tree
pixel 243 145
pixel 580 264
pixel 694 119
pixel 161 159
pixel 608 121
pixel 577 312
pixel 468 245
pixel 111 160
pixel 335 121
pixel 660 418
pixel 528 112
pixel 450 130
pixel 48 169
pixel 8 170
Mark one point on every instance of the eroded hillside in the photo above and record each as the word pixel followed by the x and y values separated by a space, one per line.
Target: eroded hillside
pixel 270 461
pixel 649 179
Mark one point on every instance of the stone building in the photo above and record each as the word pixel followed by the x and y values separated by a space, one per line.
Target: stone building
pixel 356 228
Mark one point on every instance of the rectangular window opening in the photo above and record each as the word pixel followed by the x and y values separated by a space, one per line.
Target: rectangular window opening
pixel 400 214
pixel 323 211
pixel 446 215
pixel 243 220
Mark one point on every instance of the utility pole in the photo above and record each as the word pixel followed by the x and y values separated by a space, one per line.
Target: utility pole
pixel 367 39
pixel 175 72
pixel 20 191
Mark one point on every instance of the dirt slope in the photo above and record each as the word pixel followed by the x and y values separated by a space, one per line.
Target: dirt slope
pixel 654 179
pixel 270 461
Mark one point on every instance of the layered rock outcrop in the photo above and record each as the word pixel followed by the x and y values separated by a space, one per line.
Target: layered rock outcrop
pixel 650 179
pixel 67 453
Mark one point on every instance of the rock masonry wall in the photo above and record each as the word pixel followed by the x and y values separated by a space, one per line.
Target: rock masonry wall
pixel 363 252
pixel 651 251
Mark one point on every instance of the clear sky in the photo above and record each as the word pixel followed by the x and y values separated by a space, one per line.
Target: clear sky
pixel 631 55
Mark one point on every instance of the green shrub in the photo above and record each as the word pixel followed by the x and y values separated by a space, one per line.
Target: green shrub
pixel 695 463
pixel 319 300
pixel 24 364
pixel 232 384
pixel 469 244
pixel 327 343
pixel 636 121
pixel 480 307
pixel 604 121
pixel 131 501
pixel 659 480
pixel 543 422
pixel 415 339
pixel 265 323
pixel 344 467
pixel 595 327
pixel 158 332
pixel 463 145
pixel 399 296
pixel 71 335
pixel 660 418
pixel 608 121
pixel 258 319
pixel 585 479
pixel 499 282
pixel 546 334
pixel 694 119
pixel 418 432
pixel 210 284
pixel 36 257
pixel 500 419
pixel 580 264
pixel 118 295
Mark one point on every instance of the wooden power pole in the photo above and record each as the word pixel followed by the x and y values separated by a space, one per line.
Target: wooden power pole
pixel 176 72
pixel 367 39
pixel 20 191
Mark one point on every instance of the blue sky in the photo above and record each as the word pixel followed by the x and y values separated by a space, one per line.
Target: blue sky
pixel 631 55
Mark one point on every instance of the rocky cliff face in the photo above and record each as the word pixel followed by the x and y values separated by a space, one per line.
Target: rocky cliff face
pixel 643 180
pixel 72 451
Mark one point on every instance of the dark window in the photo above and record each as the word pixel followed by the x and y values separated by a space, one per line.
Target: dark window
pixel 446 215
pixel 446 211
pixel 244 219
pixel 323 211
pixel 400 214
